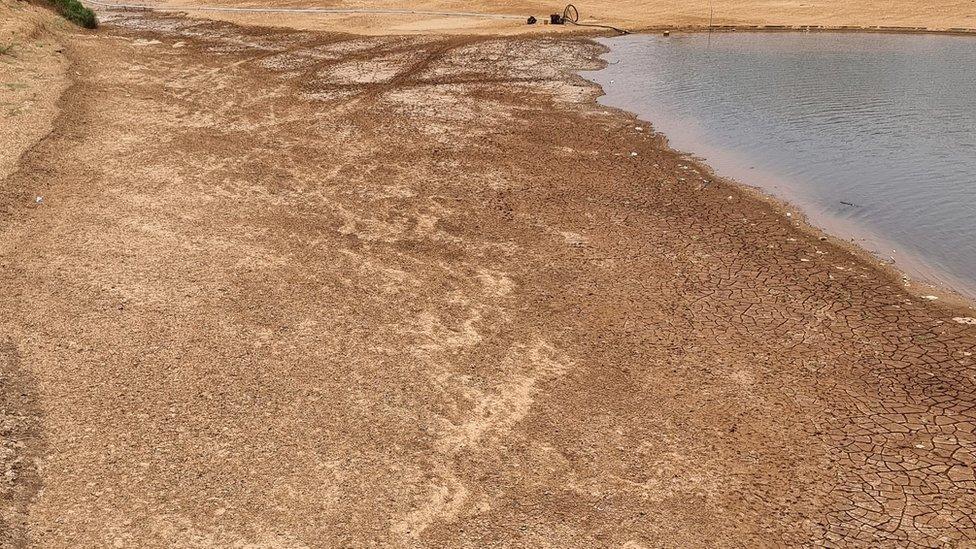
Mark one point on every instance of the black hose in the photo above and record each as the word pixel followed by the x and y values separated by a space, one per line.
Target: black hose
pixel 571 16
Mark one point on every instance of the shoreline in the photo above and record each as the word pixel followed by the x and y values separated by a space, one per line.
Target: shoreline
pixel 918 285
pixel 876 29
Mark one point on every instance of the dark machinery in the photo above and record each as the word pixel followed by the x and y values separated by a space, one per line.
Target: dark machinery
pixel 570 16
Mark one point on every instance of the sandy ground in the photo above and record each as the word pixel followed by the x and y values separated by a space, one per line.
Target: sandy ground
pixel 628 14
pixel 302 289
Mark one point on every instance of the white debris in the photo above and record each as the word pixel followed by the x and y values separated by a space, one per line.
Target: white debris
pixel 930 297
pixel 38 200
pixel 965 320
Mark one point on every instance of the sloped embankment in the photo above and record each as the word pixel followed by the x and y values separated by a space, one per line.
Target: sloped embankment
pixel 33 76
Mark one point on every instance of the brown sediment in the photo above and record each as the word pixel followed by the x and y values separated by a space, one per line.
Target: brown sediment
pixel 21 442
pixel 297 289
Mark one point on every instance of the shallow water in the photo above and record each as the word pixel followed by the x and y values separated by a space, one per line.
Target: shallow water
pixel 872 135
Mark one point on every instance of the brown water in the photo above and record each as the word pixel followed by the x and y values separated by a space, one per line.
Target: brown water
pixel 873 135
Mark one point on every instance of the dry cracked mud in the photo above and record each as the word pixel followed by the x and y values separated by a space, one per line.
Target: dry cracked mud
pixel 296 289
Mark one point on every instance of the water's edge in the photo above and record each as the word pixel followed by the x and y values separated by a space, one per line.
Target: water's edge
pixel 909 272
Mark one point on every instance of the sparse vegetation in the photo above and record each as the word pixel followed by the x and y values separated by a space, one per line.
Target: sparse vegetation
pixel 74 11
pixel 6 49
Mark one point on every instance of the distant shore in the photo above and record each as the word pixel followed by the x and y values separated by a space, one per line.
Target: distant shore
pixel 873 15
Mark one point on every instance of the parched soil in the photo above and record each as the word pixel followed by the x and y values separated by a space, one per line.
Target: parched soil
pixel 295 289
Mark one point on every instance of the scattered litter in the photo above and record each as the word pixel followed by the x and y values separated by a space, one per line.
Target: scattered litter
pixel 788 214
pixel 805 260
pixel 633 153
pixel 179 44
pixel 850 204
pixel 930 297
pixel 965 320
pixel 38 200
pixel 142 42
pixel 638 128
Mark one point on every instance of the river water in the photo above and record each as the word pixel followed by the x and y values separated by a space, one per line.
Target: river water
pixel 872 135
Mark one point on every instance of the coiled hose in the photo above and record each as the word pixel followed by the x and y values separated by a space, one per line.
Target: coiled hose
pixel 571 16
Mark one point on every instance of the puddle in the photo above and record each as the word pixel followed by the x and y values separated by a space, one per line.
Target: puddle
pixel 873 135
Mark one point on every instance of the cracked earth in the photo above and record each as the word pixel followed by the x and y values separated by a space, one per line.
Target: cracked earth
pixel 300 289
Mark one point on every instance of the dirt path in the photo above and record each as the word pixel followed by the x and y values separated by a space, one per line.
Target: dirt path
pixel 291 289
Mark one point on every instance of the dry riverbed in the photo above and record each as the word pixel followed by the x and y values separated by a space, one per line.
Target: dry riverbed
pixel 297 289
